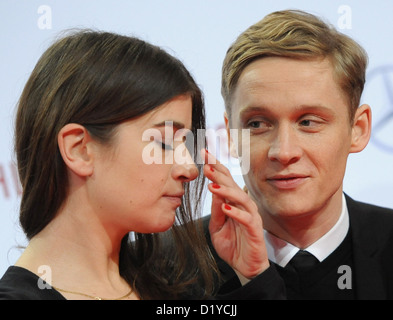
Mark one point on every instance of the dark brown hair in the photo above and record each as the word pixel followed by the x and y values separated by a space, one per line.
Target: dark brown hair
pixel 100 79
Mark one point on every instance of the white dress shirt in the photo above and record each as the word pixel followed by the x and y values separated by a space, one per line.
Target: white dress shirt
pixel 281 252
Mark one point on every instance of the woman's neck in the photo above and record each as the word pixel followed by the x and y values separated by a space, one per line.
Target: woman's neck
pixel 80 252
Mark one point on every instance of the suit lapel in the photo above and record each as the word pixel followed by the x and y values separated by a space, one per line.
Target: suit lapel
pixel 367 274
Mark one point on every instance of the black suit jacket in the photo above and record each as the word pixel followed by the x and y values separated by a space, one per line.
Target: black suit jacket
pixel 372 244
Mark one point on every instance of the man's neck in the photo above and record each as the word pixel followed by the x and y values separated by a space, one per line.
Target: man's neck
pixel 281 251
pixel 304 229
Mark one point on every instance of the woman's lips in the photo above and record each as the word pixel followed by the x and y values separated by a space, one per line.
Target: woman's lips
pixel 174 199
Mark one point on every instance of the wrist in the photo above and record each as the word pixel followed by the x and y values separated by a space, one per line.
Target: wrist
pixel 244 279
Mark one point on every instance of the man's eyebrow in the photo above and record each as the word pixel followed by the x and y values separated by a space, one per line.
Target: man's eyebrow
pixel 248 110
pixel 262 109
pixel 316 108
pixel 307 107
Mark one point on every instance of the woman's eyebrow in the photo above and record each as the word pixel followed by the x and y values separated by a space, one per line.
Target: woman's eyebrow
pixel 175 124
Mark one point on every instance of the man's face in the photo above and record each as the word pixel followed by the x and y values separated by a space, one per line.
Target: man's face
pixel 300 135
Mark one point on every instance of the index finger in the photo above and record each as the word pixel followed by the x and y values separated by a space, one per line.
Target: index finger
pixel 215 171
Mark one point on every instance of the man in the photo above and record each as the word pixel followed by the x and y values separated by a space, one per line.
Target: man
pixel 295 83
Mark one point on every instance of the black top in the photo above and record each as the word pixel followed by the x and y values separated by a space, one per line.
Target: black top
pixel 21 284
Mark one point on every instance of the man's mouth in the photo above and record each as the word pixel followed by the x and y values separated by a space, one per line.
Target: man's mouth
pixel 287 181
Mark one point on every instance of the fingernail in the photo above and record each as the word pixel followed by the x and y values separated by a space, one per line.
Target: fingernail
pixel 227 206
pixel 211 169
pixel 216 186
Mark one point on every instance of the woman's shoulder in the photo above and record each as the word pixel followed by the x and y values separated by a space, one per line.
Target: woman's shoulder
pixel 19 283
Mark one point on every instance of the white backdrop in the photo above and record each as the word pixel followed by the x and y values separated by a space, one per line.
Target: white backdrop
pixel 199 33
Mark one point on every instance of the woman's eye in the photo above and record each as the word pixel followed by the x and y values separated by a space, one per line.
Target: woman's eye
pixel 166 146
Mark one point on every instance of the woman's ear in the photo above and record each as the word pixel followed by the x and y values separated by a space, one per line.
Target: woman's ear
pixel 361 129
pixel 73 140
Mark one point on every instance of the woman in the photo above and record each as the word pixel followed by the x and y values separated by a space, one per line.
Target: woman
pixel 95 112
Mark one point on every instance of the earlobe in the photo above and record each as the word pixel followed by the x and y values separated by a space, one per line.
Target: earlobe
pixel 361 129
pixel 73 142
pixel 231 145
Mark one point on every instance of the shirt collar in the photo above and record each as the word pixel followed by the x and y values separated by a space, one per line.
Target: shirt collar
pixel 281 251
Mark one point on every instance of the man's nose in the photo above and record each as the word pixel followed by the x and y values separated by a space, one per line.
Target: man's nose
pixel 284 146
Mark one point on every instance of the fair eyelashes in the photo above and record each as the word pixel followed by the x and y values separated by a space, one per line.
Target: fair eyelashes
pixel 305 122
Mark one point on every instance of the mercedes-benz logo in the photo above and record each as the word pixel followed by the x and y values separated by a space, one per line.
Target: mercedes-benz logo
pixel 379 94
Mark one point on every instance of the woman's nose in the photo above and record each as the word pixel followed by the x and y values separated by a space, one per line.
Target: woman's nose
pixel 184 167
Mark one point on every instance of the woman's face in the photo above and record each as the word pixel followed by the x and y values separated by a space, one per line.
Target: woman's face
pixel 138 184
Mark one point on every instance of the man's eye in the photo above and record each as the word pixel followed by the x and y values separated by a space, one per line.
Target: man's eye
pixel 305 123
pixel 254 124
pixel 311 122
pixel 258 125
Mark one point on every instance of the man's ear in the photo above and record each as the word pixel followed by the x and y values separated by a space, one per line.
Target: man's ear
pixel 231 145
pixel 73 140
pixel 361 129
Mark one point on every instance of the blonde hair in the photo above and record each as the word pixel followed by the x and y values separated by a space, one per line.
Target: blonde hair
pixel 298 35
